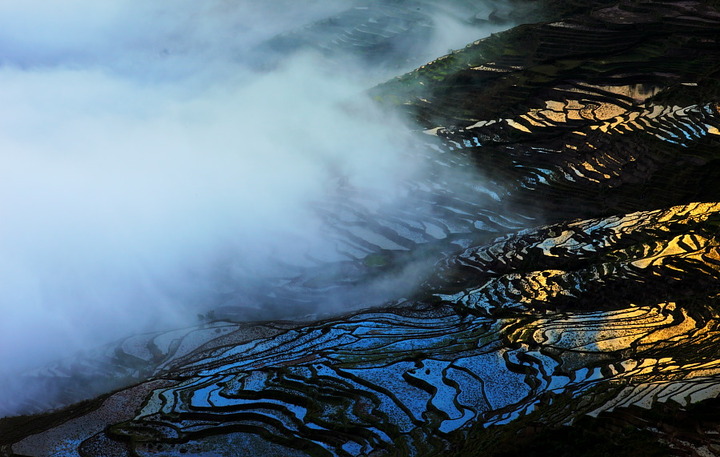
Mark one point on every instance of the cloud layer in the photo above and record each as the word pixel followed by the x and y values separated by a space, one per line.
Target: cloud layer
pixel 143 156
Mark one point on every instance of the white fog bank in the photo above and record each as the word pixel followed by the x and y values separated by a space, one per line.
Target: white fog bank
pixel 140 152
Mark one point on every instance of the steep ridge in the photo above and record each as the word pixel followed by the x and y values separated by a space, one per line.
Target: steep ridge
pixel 587 112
